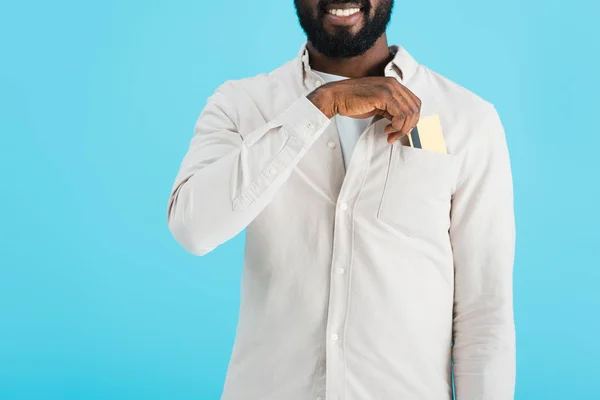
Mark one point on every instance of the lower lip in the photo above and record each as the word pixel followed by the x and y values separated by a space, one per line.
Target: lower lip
pixel 344 20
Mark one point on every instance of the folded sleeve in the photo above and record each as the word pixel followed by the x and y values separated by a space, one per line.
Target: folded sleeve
pixel 226 179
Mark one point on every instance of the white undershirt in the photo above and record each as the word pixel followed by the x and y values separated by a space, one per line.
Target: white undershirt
pixel 349 129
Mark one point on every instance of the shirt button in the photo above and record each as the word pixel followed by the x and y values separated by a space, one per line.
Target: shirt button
pixel 331 145
pixel 310 126
pixel 272 171
pixel 340 271
pixel 344 206
pixel 317 84
pixel 335 337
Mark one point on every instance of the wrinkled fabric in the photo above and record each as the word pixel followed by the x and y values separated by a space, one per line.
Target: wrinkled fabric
pixel 371 282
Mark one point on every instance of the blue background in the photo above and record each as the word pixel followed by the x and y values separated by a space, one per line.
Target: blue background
pixel 97 105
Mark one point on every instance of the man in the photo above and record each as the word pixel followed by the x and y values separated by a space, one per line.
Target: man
pixel 374 269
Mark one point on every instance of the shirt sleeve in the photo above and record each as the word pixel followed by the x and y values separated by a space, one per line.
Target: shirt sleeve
pixel 226 179
pixel 483 240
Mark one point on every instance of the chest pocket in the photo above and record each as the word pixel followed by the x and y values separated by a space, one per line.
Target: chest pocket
pixel 418 190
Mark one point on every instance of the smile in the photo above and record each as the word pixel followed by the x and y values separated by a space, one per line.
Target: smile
pixel 343 12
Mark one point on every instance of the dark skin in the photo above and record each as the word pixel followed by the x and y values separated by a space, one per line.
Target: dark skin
pixel 368 92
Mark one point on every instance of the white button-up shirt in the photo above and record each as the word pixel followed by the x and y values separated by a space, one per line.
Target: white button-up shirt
pixel 371 283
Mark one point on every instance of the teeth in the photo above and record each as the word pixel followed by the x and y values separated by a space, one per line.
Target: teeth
pixel 343 13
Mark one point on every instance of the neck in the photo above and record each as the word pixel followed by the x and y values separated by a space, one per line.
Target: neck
pixel 371 63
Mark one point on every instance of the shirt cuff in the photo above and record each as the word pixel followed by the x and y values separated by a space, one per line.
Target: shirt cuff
pixel 304 120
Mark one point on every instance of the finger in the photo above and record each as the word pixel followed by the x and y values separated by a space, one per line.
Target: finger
pixel 365 115
pixel 416 104
pixel 393 137
pixel 402 123
pixel 396 110
pixel 389 129
pixel 397 123
pixel 395 105
pixel 406 91
pixel 385 114
pixel 376 111
pixel 411 105
pixel 416 99
pixel 412 113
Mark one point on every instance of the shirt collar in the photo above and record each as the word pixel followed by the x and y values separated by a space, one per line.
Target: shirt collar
pixel 403 66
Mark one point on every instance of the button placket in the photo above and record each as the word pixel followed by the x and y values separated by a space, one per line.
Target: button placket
pixel 335 373
pixel 341 269
pixel 339 291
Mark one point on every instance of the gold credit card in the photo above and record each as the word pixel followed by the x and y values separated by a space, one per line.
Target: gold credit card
pixel 427 135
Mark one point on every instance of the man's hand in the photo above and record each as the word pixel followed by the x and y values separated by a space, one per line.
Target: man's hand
pixel 366 97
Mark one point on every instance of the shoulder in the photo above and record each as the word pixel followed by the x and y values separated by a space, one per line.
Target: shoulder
pixel 243 99
pixel 468 120
pixel 454 98
pixel 260 83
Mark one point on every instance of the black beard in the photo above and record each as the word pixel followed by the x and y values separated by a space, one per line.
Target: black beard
pixel 342 43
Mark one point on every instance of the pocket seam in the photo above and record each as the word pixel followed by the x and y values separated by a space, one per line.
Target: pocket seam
pixel 390 173
pixel 391 165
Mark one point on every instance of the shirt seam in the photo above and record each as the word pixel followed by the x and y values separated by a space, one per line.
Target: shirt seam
pixel 463 181
pixel 351 265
